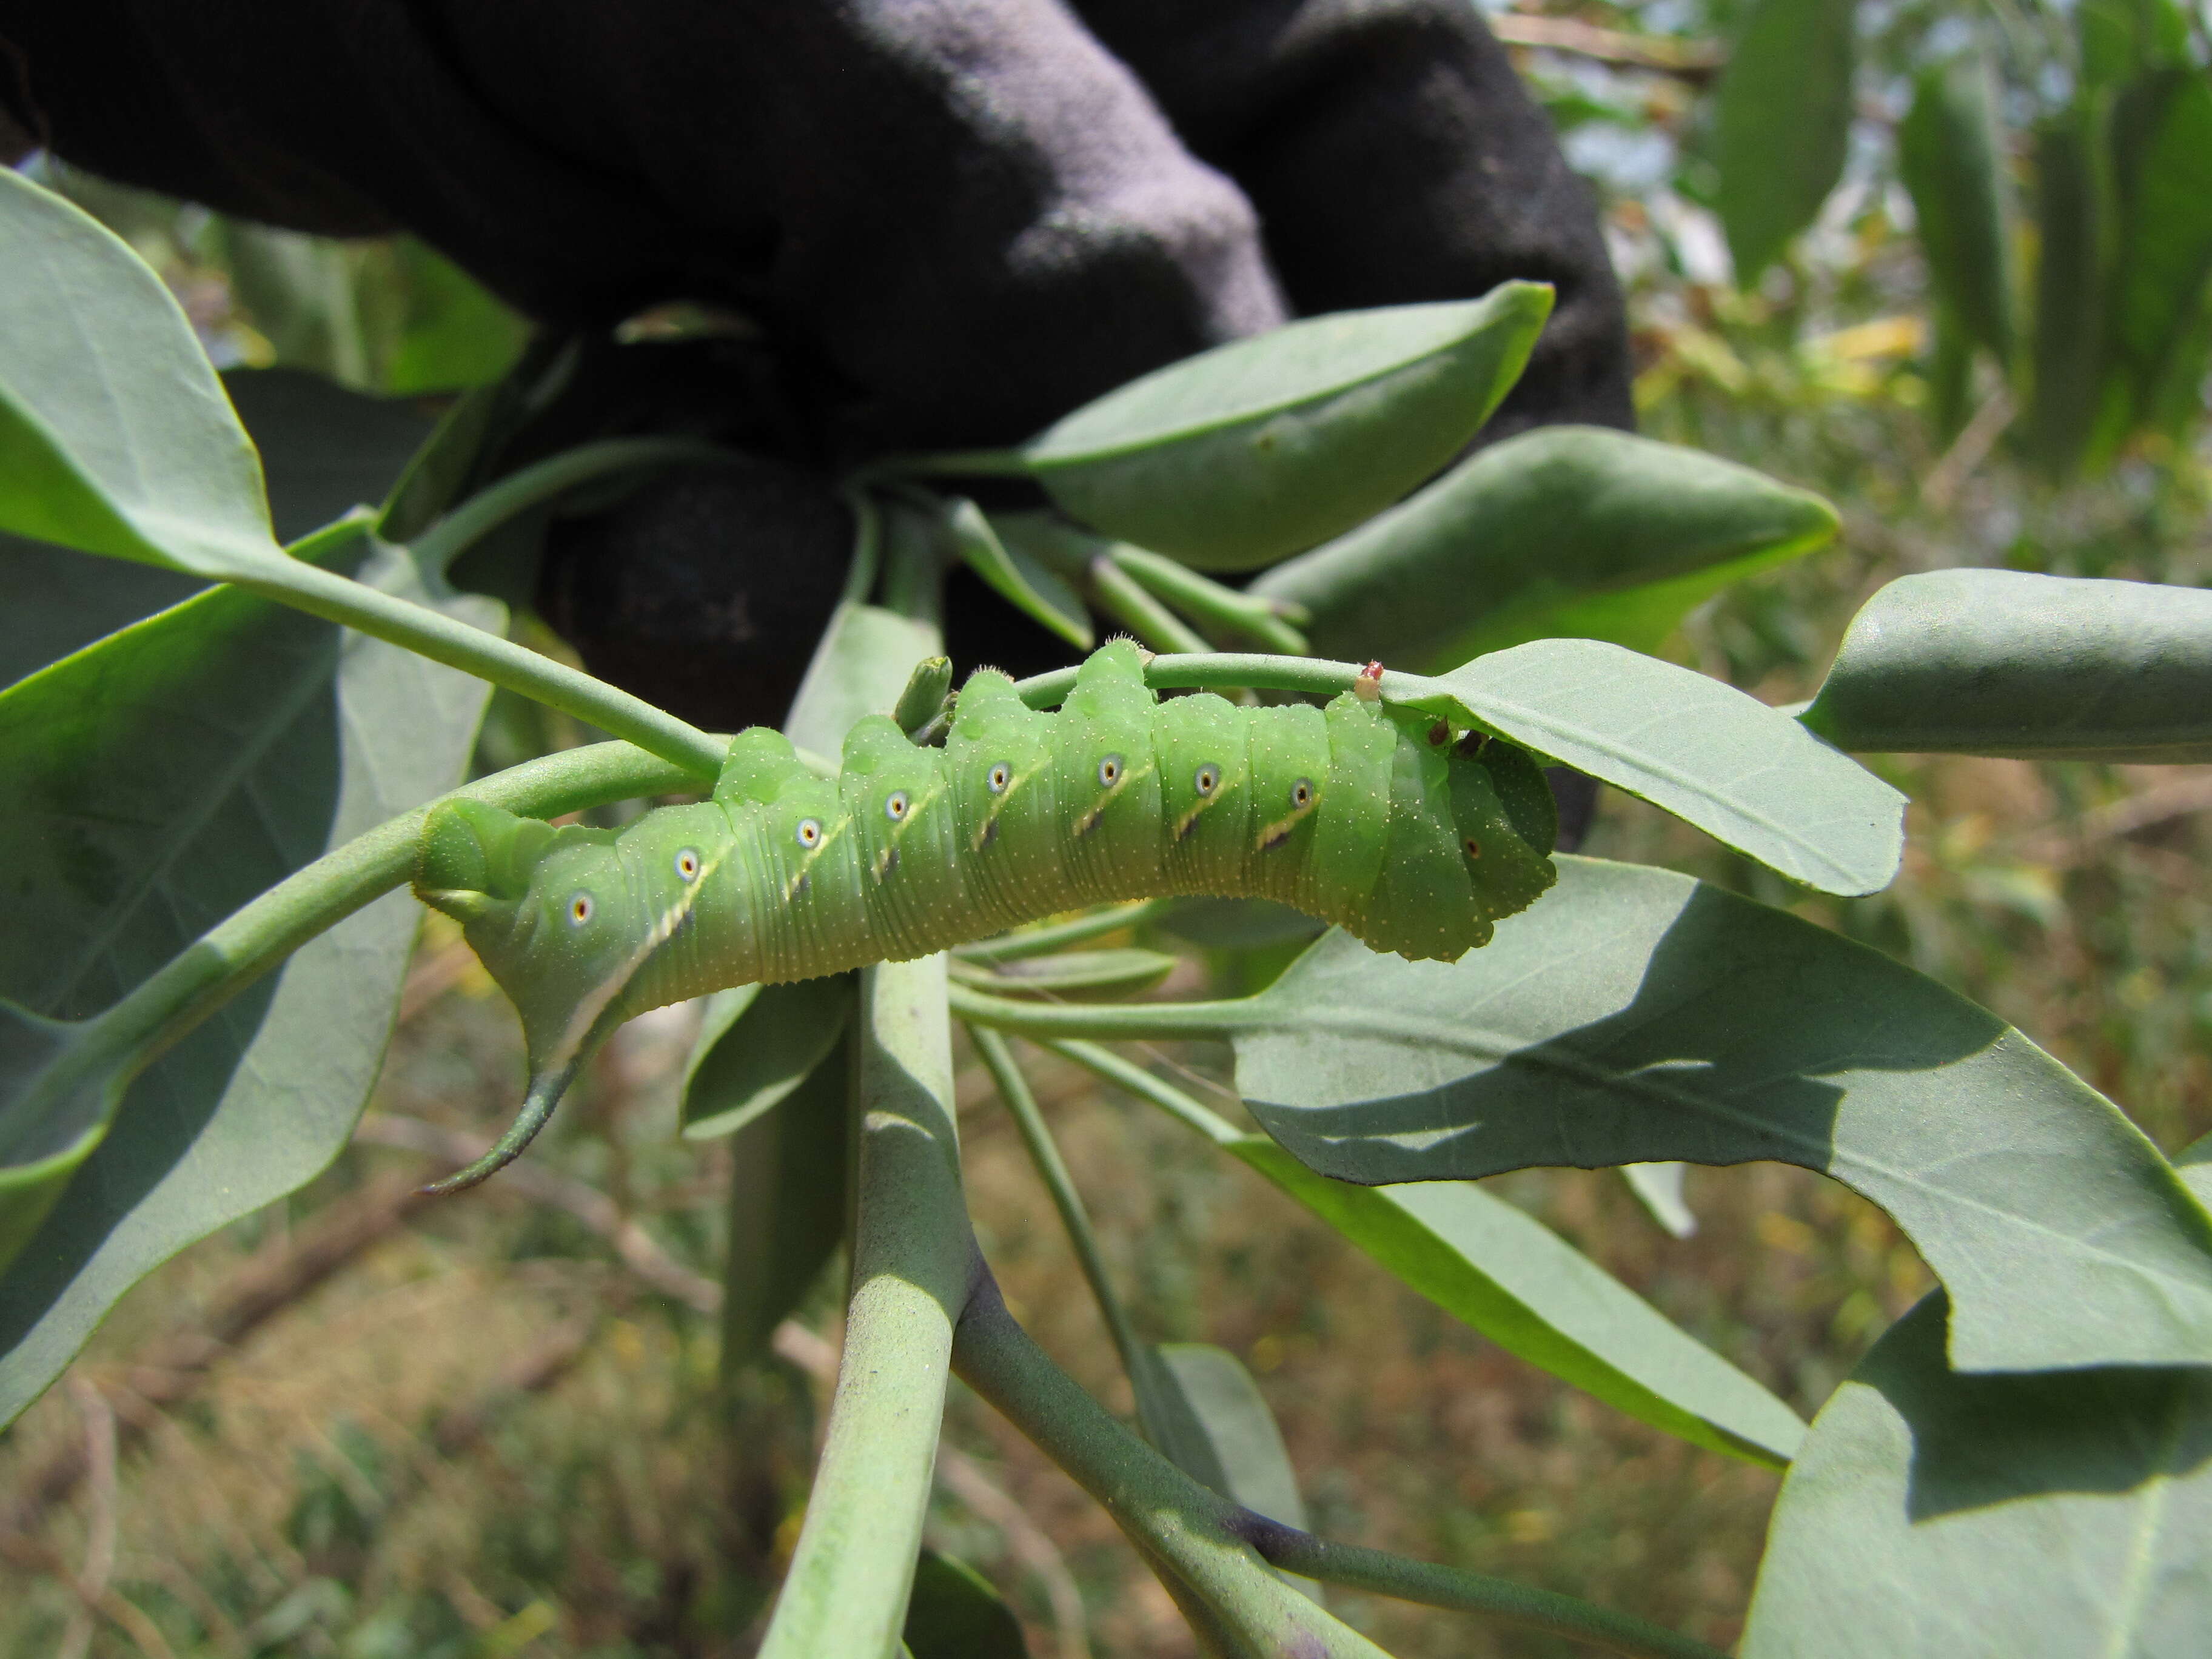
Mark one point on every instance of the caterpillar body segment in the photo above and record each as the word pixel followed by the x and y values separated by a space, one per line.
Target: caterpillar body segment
pixel 1370 818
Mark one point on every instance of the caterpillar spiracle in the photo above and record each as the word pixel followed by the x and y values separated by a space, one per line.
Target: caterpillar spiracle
pixel 1392 825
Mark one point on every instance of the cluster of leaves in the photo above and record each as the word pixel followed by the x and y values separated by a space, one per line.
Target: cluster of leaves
pixel 2055 162
pixel 160 1082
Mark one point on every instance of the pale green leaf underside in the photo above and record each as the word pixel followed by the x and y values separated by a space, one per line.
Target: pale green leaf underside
pixel 1742 772
pixel 115 435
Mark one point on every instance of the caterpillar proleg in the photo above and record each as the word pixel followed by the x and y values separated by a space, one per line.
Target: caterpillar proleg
pixel 1391 825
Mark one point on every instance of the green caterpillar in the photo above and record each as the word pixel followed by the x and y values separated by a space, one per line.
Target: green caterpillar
pixel 1391 825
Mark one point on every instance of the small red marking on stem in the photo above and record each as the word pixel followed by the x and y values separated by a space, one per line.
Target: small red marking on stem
pixel 1367 685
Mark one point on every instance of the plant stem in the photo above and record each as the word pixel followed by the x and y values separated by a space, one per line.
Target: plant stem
pixel 1207 600
pixel 310 901
pixel 1052 1169
pixel 1151 622
pixel 308 587
pixel 1135 1079
pixel 1114 1021
pixel 867 545
pixel 1380 1573
pixel 915 1267
pixel 1043 941
pixel 1217 1546
pixel 1186 1532
pixel 1315 676
pixel 454 532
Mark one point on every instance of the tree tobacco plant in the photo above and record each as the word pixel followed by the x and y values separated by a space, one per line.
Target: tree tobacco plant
pixel 223 753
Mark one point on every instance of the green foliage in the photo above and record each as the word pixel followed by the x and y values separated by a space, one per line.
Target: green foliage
pixel 220 794
pixel 1245 453
pixel 1564 532
pixel 1491 1266
pixel 2057 1512
pixel 1951 156
pixel 757 1043
pixel 954 1614
pixel 1710 756
pixel 787 1196
pixel 1999 662
pixel 115 435
pixel 1783 123
pixel 2082 1249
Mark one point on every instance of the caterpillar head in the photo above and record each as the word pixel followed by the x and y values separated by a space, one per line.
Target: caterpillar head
pixel 545 910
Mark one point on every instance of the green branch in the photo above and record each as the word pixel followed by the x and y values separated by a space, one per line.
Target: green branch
pixel 1314 676
pixel 1133 1079
pixel 1043 941
pixel 1206 600
pixel 1124 1022
pixel 1216 1548
pixel 489 657
pixel 1380 1573
pixel 1132 602
pixel 1052 1169
pixel 546 481
pixel 914 1268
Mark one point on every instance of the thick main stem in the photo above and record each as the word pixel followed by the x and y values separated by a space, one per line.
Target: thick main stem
pixel 914 1267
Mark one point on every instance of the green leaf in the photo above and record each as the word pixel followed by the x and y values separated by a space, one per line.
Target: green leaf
pixel 1635 1014
pixel 1951 156
pixel 1783 123
pixel 2001 662
pixel 60 601
pixel 1935 1512
pixel 757 1044
pixel 1248 1461
pixel 453 332
pixel 115 435
pixel 1658 1188
pixel 1236 924
pixel 2162 159
pixel 1501 1272
pixel 164 777
pixel 952 1612
pixel 1221 1434
pixel 1743 773
pixel 1121 971
pixel 1234 458
pixel 1015 575
pixel 2073 221
pixel 303 294
pixel 787 1170
pixel 1565 531
pixel 863 663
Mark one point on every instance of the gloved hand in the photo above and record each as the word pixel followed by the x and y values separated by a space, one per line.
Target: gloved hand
pixel 954 220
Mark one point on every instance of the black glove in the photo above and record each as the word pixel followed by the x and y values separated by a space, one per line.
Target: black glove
pixel 954 220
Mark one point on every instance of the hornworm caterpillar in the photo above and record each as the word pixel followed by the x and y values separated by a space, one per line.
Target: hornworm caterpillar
pixel 1389 825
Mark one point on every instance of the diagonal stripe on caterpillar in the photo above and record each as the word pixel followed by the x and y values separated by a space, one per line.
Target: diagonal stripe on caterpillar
pixel 1388 824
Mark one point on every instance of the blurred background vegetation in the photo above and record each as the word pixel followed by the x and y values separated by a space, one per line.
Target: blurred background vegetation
pixel 360 1426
